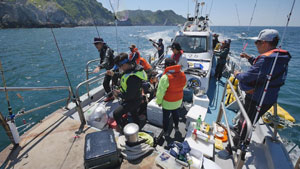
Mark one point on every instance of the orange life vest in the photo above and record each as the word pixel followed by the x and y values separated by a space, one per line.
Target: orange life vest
pixel 271 52
pixel 177 81
pixel 139 60
pixel 144 63
pixel 135 50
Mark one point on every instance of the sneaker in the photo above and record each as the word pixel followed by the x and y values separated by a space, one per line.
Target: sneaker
pixel 109 99
pixel 224 154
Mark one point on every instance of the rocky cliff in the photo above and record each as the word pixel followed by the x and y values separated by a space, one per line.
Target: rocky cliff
pixel 64 13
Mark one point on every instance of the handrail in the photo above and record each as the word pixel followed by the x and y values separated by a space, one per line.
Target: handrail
pixel 87 73
pixel 242 109
pixel 228 128
pixel 34 88
pixel 19 114
pixel 40 89
pixel 240 162
pixel 88 82
pixel 41 107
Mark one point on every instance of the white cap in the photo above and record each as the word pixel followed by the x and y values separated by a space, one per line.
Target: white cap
pixel 268 35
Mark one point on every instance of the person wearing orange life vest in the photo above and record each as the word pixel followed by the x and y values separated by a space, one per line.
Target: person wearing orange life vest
pixel 169 93
pixel 178 57
pixel 253 81
pixel 136 56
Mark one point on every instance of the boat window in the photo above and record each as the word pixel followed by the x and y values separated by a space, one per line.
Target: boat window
pixel 192 44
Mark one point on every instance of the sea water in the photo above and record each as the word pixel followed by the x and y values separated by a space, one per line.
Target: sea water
pixel 30 59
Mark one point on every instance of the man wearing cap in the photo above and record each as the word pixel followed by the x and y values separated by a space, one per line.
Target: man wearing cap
pixel 169 93
pixel 178 57
pixel 130 91
pixel 254 80
pixel 107 62
pixel 136 56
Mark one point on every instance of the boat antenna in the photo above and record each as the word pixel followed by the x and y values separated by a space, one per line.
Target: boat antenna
pixel 188 9
pixel 6 93
pixel 116 23
pixel 202 4
pixel 274 63
pixel 212 2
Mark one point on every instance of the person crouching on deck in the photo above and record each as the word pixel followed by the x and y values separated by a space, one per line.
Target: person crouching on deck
pixel 130 90
pixel 170 92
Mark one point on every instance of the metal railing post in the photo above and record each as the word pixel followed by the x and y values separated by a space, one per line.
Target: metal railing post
pixel 87 74
pixel 220 114
pixel 275 123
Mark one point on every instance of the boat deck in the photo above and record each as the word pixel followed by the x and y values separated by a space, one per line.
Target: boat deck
pixel 53 143
pixel 57 143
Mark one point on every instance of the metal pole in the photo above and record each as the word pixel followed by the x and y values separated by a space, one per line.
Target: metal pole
pixel 6 93
pixel 220 114
pixel 275 123
pixel 7 129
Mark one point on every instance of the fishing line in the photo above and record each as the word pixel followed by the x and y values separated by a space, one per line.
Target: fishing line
pixel 78 107
pixel 237 12
pixel 62 61
pixel 116 23
pixel 90 12
pixel 139 33
pixel 245 42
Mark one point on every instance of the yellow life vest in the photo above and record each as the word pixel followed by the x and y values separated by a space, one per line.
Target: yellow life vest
pixel 140 74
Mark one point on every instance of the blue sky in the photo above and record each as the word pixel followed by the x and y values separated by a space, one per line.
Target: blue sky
pixel 223 12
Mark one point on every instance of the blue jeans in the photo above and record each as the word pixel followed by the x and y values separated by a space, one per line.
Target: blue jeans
pixel 166 115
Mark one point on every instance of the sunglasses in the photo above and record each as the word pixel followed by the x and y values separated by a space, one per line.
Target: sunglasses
pixel 258 42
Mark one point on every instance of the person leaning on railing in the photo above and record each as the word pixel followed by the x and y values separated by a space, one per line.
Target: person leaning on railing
pixel 107 62
pixel 253 81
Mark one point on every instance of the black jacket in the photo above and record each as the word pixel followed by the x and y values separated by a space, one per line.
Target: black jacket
pixel 106 58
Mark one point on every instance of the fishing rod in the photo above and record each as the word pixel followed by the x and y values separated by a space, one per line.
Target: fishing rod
pixel 116 24
pixel 94 22
pixel 6 93
pixel 269 76
pixel 245 43
pixel 237 12
pixel 9 126
pixel 79 109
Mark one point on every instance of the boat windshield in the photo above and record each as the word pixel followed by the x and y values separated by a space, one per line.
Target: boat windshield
pixel 192 44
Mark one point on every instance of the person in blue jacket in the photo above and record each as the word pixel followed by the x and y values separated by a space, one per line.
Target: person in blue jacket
pixel 254 80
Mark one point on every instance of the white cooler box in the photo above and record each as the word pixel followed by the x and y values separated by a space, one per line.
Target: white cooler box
pixel 154 113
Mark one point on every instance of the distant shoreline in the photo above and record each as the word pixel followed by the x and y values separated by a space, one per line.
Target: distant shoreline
pixel 59 26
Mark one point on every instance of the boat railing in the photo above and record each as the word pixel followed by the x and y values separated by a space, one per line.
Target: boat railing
pixel 87 73
pixel 240 162
pixel 21 113
pixel 4 121
pixel 88 82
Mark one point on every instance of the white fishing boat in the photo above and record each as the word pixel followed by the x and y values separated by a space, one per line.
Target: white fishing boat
pixel 59 141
